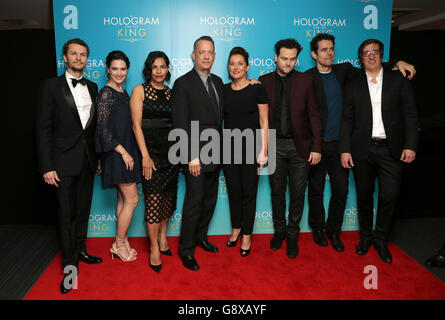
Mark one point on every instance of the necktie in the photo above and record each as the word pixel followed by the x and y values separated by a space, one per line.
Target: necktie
pixel 283 119
pixel 82 81
pixel 212 93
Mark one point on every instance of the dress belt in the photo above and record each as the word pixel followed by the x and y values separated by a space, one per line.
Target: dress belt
pixel 157 123
pixel 379 141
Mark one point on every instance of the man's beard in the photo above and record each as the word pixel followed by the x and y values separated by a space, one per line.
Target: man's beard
pixel 283 72
pixel 72 67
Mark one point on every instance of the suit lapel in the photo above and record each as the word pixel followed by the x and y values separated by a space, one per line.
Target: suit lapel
pixel 71 104
pixel 386 88
pixel 204 92
pixel 294 90
pixel 219 92
pixel 366 95
pixel 93 104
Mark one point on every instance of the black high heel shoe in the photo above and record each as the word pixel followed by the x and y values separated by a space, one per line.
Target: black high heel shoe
pixel 244 253
pixel 165 252
pixel 230 243
pixel 156 268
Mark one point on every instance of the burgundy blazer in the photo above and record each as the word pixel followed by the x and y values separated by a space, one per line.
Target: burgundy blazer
pixel 303 108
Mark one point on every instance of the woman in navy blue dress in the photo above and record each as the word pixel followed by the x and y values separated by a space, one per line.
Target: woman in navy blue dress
pixel 115 141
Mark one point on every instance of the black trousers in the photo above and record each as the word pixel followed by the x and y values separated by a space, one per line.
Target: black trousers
pixel 379 164
pixel 339 178
pixel 74 196
pixel 199 204
pixel 289 164
pixel 442 250
pixel 242 186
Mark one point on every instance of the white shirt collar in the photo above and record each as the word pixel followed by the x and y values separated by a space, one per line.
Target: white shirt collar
pixel 378 78
pixel 70 76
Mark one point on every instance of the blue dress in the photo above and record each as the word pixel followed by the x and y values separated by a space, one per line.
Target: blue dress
pixel 114 127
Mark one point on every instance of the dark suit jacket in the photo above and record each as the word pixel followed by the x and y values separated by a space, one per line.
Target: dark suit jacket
pixel 61 141
pixel 303 109
pixel 343 72
pixel 399 116
pixel 191 102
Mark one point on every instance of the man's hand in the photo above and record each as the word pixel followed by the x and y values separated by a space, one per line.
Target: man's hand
pixel 404 67
pixel 51 178
pixel 408 156
pixel 195 167
pixel 314 158
pixel 253 81
pixel 346 161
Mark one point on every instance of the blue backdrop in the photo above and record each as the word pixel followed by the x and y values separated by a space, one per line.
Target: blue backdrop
pixel 140 26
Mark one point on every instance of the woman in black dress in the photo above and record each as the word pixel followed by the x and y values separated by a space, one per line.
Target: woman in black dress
pixel 152 122
pixel 120 158
pixel 245 107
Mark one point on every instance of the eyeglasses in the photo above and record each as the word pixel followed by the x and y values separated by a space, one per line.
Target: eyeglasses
pixel 369 52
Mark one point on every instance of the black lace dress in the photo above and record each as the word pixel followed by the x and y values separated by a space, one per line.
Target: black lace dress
pixel 114 127
pixel 160 191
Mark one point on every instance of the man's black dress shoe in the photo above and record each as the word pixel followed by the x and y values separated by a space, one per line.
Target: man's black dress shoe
pixel 87 258
pixel 292 248
pixel 363 247
pixel 190 263
pixel 319 238
pixel 277 240
pixel 436 261
pixel 207 246
pixel 69 285
pixel 384 253
pixel 336 243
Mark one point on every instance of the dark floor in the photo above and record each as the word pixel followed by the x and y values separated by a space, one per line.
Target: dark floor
pixel 28 250
pixel 420 238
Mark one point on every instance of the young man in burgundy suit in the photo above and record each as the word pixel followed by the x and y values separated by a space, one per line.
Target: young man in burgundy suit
pixel 295 116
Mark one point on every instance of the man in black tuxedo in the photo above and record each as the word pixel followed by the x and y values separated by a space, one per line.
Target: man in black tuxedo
pixel 197 96
pixel 379 131
pixel 329 82
pixel 65 125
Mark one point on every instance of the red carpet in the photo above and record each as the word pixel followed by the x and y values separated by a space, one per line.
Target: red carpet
pixel 317 273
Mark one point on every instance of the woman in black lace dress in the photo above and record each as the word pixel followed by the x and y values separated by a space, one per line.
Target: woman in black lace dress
pixel 119 154
pixel 152 122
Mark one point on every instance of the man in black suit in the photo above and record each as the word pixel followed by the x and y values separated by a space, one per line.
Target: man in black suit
pixel 329 82
pixel 197 96
pixel 379 131
pixel 65 125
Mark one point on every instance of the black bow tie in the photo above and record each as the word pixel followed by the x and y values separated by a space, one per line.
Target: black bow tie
pixel 82 81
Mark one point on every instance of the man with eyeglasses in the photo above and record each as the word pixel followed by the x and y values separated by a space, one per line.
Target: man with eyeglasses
pixel 379 132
